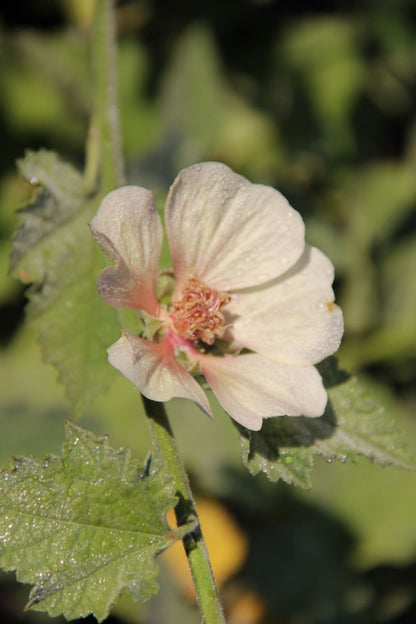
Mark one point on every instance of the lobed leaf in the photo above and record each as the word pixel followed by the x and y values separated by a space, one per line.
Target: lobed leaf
pixel 54 251
pixel 353 424
pixel 84 526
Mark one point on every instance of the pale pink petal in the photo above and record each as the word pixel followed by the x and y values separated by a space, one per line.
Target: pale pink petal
pixel 293 319
pixel 154 371
pixel 232 233
pixel 251 387
pixel 129 231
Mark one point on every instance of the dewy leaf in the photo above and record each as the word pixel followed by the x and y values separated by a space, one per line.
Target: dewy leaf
pixel 353 424
pixel 53 249
pixel 85 526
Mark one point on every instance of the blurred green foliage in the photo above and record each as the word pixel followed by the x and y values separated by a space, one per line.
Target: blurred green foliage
pixel 318 100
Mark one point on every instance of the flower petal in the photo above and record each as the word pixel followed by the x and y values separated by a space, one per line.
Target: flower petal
pixel 154 371
pixel 293 319
pixel 232 233
pixel 251 387
pixel 129 231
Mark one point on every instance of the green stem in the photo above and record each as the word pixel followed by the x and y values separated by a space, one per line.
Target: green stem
pixel 92 159
pixel 104 155
pixel 106 118
pixel 195 549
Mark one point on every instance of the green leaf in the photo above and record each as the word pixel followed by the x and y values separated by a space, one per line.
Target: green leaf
pixel 85 526
pixel 140 123
pixel 376 199
pixel 324 51
pixel 352 425
pixel 399 292
pixel 54 250
pixel 209 117
pixel 55 102
pixel 395 336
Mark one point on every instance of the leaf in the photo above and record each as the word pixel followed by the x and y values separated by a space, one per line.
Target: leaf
pixel 324 52
pixel 206 117
pixel 377 199
pixel 85 526
pixel 399 291
pixel 53 103
pixel 140 123
pixel 353 424
pixel 395 337
pixel 55 251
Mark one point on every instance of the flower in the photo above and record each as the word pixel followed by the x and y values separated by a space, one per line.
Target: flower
pixel 250 306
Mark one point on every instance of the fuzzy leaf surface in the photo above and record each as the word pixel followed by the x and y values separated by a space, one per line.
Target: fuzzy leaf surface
pixel 84 526
pixel 352 425
pixel 53 250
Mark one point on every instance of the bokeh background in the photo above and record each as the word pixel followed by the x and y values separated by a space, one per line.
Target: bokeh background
pixel 318 100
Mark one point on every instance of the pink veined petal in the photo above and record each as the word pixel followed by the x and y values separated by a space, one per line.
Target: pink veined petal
pixel 251 387
pixel 153 369
pixel 293 319
pixel 129 231
pixel 232 233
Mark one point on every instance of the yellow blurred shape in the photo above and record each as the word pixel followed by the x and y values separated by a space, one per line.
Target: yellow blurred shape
pixel 226 544
pixel 81 12
pixel 246 609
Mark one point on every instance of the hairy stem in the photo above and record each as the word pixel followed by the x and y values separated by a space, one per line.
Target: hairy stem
pixel 104 154
pixel 106 117
pixel 164 446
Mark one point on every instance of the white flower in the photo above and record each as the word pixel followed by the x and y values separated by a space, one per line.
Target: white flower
pixel 252 308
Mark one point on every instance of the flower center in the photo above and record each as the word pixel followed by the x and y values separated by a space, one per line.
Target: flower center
pixel 198 314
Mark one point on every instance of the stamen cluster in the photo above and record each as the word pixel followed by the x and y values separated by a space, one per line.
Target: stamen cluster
pixel 198 314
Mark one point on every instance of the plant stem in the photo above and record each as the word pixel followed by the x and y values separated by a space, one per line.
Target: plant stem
pixel 165 446
pixel 106 118
pixel 104 154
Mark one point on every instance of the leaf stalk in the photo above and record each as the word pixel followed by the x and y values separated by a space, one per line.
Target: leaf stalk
pixel 164 447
